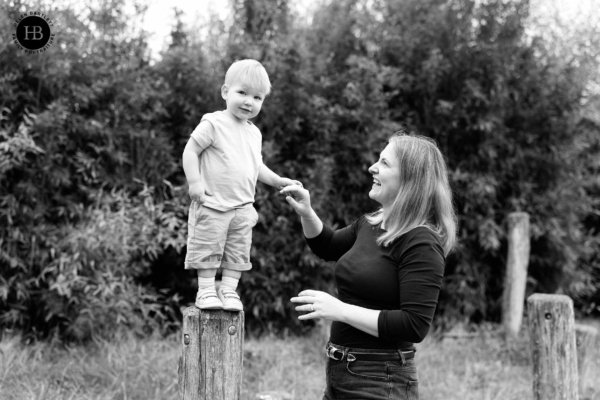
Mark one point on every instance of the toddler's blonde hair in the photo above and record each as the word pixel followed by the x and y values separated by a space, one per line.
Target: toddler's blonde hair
pixel 249 72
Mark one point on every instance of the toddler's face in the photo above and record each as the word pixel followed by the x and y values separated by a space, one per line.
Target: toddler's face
pixel 243 101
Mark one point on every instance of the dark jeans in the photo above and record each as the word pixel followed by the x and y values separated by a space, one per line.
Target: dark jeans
pixel 371 380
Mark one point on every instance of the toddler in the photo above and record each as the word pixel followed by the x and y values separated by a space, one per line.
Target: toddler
pixel 222 162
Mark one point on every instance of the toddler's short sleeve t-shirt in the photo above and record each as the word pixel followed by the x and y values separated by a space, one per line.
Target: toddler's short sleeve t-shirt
pixel 230 160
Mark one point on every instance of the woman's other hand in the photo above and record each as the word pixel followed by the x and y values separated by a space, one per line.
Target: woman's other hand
pixel 317 304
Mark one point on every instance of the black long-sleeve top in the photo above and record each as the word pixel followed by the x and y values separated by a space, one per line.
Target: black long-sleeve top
pixel 403 280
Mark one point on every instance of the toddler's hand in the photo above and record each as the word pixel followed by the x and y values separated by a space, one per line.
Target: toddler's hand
pixel 198 193
pixel 283 182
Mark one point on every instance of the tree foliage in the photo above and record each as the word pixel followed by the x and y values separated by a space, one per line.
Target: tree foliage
pixel 94 202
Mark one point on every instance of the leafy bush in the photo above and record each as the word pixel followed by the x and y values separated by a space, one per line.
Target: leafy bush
pixel 86 206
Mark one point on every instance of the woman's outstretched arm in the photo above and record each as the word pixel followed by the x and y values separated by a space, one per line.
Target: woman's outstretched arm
pixel 311 223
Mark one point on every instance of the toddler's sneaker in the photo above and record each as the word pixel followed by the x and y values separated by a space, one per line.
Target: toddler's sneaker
pixel 207 300
pixel 230 299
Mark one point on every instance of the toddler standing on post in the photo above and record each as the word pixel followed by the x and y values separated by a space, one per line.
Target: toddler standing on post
pixel 222 162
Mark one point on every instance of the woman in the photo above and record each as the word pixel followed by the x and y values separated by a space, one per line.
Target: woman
pixel 388 272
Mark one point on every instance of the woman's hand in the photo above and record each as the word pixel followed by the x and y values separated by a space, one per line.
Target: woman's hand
pixel 300 201
pixel 317 304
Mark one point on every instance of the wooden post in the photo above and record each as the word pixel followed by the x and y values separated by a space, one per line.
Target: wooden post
pixel 513 298
pixel 210 367
pixel 586 340
pixel 554 353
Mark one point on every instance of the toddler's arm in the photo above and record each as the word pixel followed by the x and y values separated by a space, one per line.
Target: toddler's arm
pixel 265 175
pixel 191 168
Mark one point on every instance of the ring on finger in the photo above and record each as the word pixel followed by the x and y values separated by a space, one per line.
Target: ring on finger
pixel 312 308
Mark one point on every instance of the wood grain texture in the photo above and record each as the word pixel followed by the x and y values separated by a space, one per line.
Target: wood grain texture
pixel 210 367
pixel 553 346
pixel 513 297
pixel 586 338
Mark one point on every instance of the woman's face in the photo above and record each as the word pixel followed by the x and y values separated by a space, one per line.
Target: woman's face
pixel 386 177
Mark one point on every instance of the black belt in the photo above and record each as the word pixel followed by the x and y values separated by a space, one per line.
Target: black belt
pixel 350 355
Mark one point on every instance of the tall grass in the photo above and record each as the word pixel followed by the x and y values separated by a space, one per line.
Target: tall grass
pixel 475 366
pixel 129 369
pixel 480 366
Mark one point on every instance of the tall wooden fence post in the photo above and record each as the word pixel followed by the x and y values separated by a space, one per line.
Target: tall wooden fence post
pixel 586 337
pixel 210 367
pixel 554 352
pixel 513 298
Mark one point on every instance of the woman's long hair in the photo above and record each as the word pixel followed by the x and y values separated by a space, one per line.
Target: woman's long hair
pixel 424 197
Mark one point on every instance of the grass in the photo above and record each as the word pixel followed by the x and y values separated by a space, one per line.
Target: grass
pixel 130 369
pixel 480 366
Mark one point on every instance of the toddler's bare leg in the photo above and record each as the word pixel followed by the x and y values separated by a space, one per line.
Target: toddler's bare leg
pixel 207 273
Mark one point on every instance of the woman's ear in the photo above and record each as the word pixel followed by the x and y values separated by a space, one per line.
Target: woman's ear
pixel 224 91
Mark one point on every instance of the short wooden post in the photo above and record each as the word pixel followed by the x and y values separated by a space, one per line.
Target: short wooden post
pixel 554 353
pixel 513 298
pixel 210 367
pixel 586 340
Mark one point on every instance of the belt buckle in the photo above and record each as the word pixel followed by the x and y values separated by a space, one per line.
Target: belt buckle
pixel 331 353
